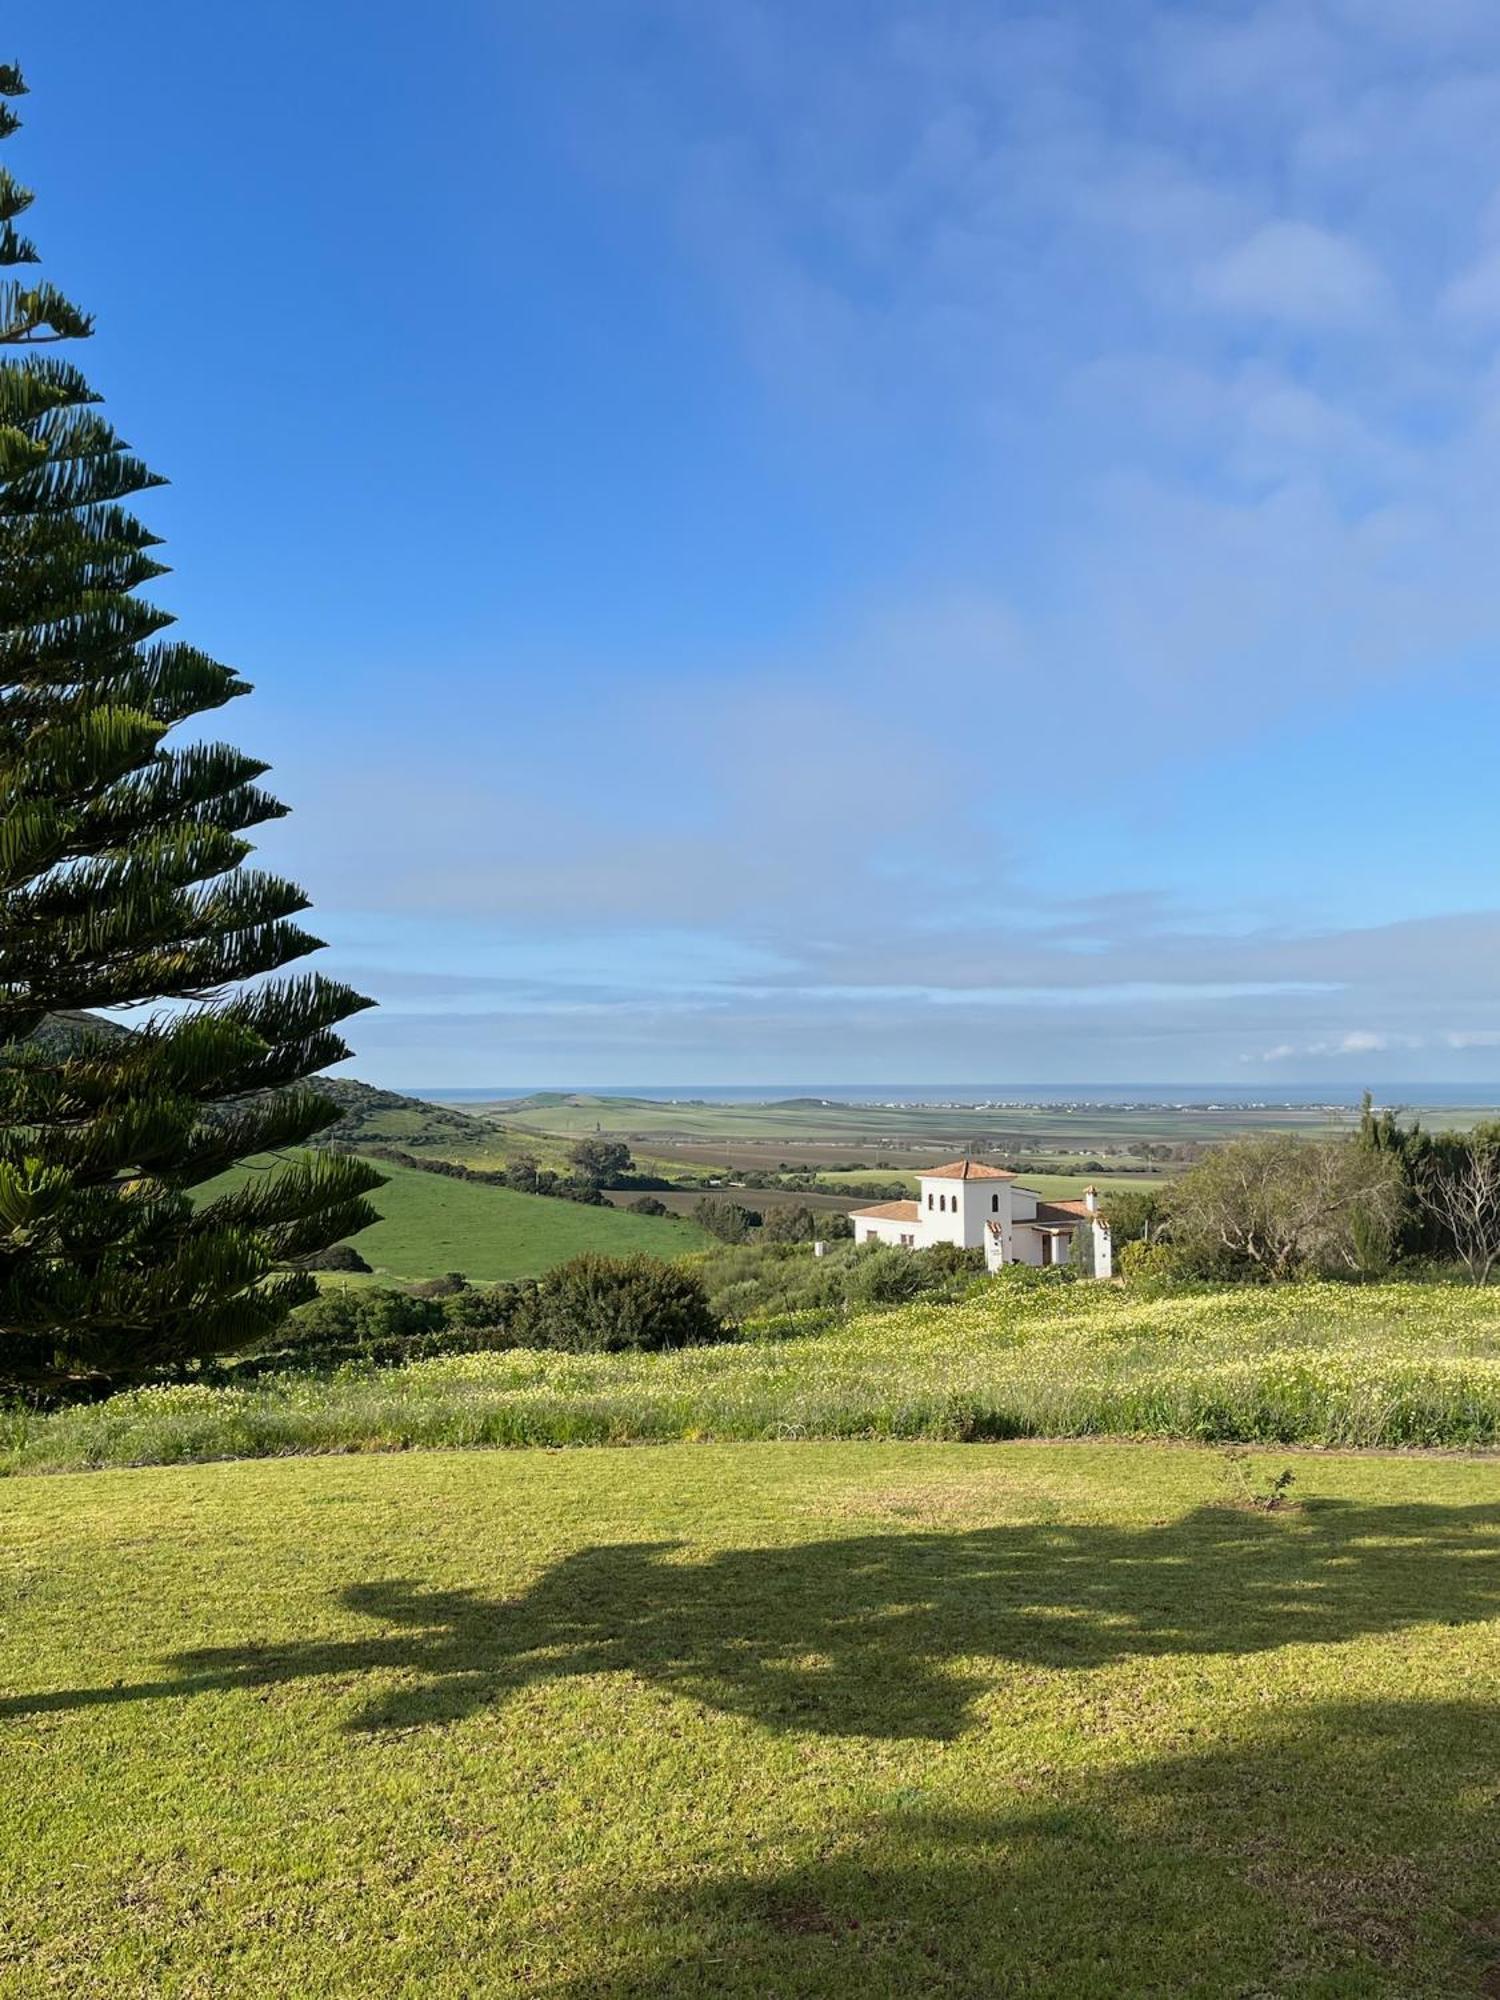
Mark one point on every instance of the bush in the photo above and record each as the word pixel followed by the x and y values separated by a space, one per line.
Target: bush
pixel 726 1219
pixel 1135 1215
pixel 386 1326
pixel 445 1287
pixel 596 1304
pixel 337 1257
pixel 600 1162
pixel 649 1205
pixel 1274 1205
pixel 485 1309
pixel 1140 1261
pixel 789 1223
pixel 748 1282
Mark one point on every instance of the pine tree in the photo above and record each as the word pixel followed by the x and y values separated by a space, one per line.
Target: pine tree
pixel 121 887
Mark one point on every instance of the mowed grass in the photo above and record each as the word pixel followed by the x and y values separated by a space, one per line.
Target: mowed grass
pixel 1314 1364
pixel 431 1224
pixel 823 1723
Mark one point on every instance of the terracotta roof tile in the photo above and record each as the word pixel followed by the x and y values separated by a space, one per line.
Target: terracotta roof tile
pixel 964 1170
pixel 893 1211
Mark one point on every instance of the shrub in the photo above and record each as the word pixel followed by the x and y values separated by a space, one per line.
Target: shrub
pixel 1140 1261
pixel 485 1309
pixel 337 1257
pixel 595 1304
pixel 445 1287
pixel 1274 1205
pixel 649 1205
pixel 387 1326
pixel 726 1219
pixel 1135 1215
pixel 747 1282
pixel 789 1223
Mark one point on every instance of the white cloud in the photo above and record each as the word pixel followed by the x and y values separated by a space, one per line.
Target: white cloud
pixel 1298 273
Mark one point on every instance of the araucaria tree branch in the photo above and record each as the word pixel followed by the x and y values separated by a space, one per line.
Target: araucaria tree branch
pixel 123 885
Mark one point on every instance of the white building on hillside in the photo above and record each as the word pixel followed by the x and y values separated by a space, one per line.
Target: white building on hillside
pixel 972 1204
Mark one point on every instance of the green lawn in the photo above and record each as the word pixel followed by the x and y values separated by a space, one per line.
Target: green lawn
pixel 431 1224
pixel 817 1722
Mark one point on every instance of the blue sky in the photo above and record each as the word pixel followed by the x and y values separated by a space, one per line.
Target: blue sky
pixel 913 540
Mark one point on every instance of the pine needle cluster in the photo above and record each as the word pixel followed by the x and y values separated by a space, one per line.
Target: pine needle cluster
pixel 123 886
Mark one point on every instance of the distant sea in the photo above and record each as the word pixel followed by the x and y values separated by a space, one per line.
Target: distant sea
pixel 1437 1095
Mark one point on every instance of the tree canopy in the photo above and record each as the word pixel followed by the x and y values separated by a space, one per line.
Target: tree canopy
pixel 123 887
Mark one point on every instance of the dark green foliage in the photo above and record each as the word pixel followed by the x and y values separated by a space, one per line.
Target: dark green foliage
pixel 795 1222
pixel 448 1286
pixel 379 1325
pixel 649 1205
pixel 484 1309
pixel 1135 1215
pixel 601 1162
pixel 790 1222
pixel 760 1280
pixel 337 1257
pixel 728 1220
pixel 600 1304
pixel 122 885
pixel 1450 1190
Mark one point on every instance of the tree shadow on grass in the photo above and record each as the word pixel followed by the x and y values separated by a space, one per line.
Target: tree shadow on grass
pixel 860 1636
pixel 1347 1853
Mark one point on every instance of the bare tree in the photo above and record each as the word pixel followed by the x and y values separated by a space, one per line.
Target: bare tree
pixel 1460 1189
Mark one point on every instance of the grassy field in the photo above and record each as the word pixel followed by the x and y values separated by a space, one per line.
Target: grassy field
pixel 1302 1364
pixel 762 1200
pixel 861 1127
pixel 430 1224
pixel 1052 1187
pixel 823 1723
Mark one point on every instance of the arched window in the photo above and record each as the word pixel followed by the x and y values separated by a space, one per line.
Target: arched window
pixel 994 1204
pixel 929 1197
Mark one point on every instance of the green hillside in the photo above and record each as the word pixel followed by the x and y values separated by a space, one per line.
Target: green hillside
pixel 374 1117
pixel 430 1224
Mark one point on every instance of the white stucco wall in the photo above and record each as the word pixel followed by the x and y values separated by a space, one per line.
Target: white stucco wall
pixel 884 1229
pixel 970 1206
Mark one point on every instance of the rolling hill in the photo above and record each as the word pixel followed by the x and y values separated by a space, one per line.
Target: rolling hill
pixel 374 1117
pixel 430 1224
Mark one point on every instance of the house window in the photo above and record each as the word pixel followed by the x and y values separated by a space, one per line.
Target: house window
pixel 929 1197
pixel 994 1204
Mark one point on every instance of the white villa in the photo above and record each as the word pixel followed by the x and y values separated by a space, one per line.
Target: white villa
pixel 971 1204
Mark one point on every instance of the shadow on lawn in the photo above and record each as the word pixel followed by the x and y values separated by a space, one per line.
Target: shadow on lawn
pixel 1347 1851
pixel 859 1636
